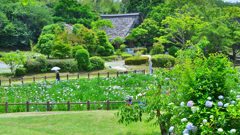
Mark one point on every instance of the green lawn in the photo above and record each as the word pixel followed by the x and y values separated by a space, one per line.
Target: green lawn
pixel 85 123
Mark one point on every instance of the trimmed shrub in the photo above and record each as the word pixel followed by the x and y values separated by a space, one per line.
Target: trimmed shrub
pixel 33 66
pixel 123 47
pixel 125 56
pixel 21 71
pixel 97 63
pixel 82 57
pixel 162 60
pixel 43 63
pixel 112 57
pixel 75 49
pixel 172 50
pixel 65 65
pixel 118 52
pixel 136 60
pixel 143 50
pixel 158 48
pixel 149 49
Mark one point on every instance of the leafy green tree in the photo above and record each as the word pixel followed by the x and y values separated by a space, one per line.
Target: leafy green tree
pixel 105 47
pixel 158 48
pixel 71 12
pixel 13 60
pixel 96 25
pixel 172 51
pixel 60 49
pixel 49 29
pixel 82 57
pixel 45 44
pixel 117 41
pixel 139 33
pixel 131 40
pixel 76 27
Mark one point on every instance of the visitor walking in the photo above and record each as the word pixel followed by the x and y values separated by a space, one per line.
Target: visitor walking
pixel 129 102
pixel 57 76
pixel 150 66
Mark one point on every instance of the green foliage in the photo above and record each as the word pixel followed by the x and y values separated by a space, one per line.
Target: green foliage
pixel 131 40
pixel 49 29
pixel 21 71
pixel 136 60
pixel 76 27
pixel 13 60
pixel 163 60
pixel 117 41
pixel 65 65
pixel 118 52
pixel 143 50
pixel 158 48
pixel 60 48
pixel 139 33
pixel 123 47
pixel 43 63
pixel 71 12
pixel 96 25
pixel 172 51
pixel 75 49
pixel 45 44
pixel 105 47
pixel 143 6
pixel 82 57
pixel 33 66
pixel 25 23
pixel 97 63
pixel 112 57
pixel 126 55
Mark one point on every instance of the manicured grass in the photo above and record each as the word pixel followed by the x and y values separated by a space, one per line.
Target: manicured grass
pixel 85 123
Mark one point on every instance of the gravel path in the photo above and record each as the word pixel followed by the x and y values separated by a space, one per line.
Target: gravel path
pixel 119 65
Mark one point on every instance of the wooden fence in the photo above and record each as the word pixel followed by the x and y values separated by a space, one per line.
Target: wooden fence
pixel 68 104
pixel 67 76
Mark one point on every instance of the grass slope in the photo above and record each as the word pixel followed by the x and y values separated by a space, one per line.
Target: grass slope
pixel 85 123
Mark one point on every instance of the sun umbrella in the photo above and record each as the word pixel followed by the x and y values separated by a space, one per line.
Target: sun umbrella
pixel 55 68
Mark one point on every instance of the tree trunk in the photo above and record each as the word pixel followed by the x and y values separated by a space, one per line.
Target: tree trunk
pixel 162 124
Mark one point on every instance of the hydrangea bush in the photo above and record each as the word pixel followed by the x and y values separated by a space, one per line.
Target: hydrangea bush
pixel 204 96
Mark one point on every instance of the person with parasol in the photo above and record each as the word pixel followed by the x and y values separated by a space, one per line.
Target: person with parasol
pixel 57 73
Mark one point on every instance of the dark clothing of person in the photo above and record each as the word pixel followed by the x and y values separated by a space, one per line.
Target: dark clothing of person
pixel 58 76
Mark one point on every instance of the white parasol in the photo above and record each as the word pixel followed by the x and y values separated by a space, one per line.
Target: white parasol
pixel 55 68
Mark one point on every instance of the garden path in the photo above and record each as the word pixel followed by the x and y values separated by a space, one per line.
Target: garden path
pixel 119 65
pixel 4 68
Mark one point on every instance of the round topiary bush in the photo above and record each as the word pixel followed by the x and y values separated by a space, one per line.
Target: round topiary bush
pixel 21 71
pixel 75 49
pixel 162 60
pixel 82 57
pixel 123 47
pixel 172 50
pixel 97 63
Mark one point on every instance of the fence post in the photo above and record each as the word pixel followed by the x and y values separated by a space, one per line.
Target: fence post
pixel 135 71
pixel 88 76
pixel 108 74
pixel 117 73
pixel 22 80
pixel 0 82
pixel 9 81
pixel 152 71
pixel 108 105
pixel 33 79
pixel 27 104
pixel 144 72
pixel 6 107
pixel 88 105
pixel 45 78
pixel 68 103
pixel 48 106
pixel 98 74
pixel 67 76
pixel 78 76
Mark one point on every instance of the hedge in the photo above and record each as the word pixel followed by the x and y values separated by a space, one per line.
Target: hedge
pixel 65 65
pixel 82 57
pixel 125 56
pixel 96 63
pixel 112 57
pixel 136 60
pixel 144 50
pixel 161 60
pixel 21 71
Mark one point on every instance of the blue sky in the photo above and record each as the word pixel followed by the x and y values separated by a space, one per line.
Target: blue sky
pixel 231 0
